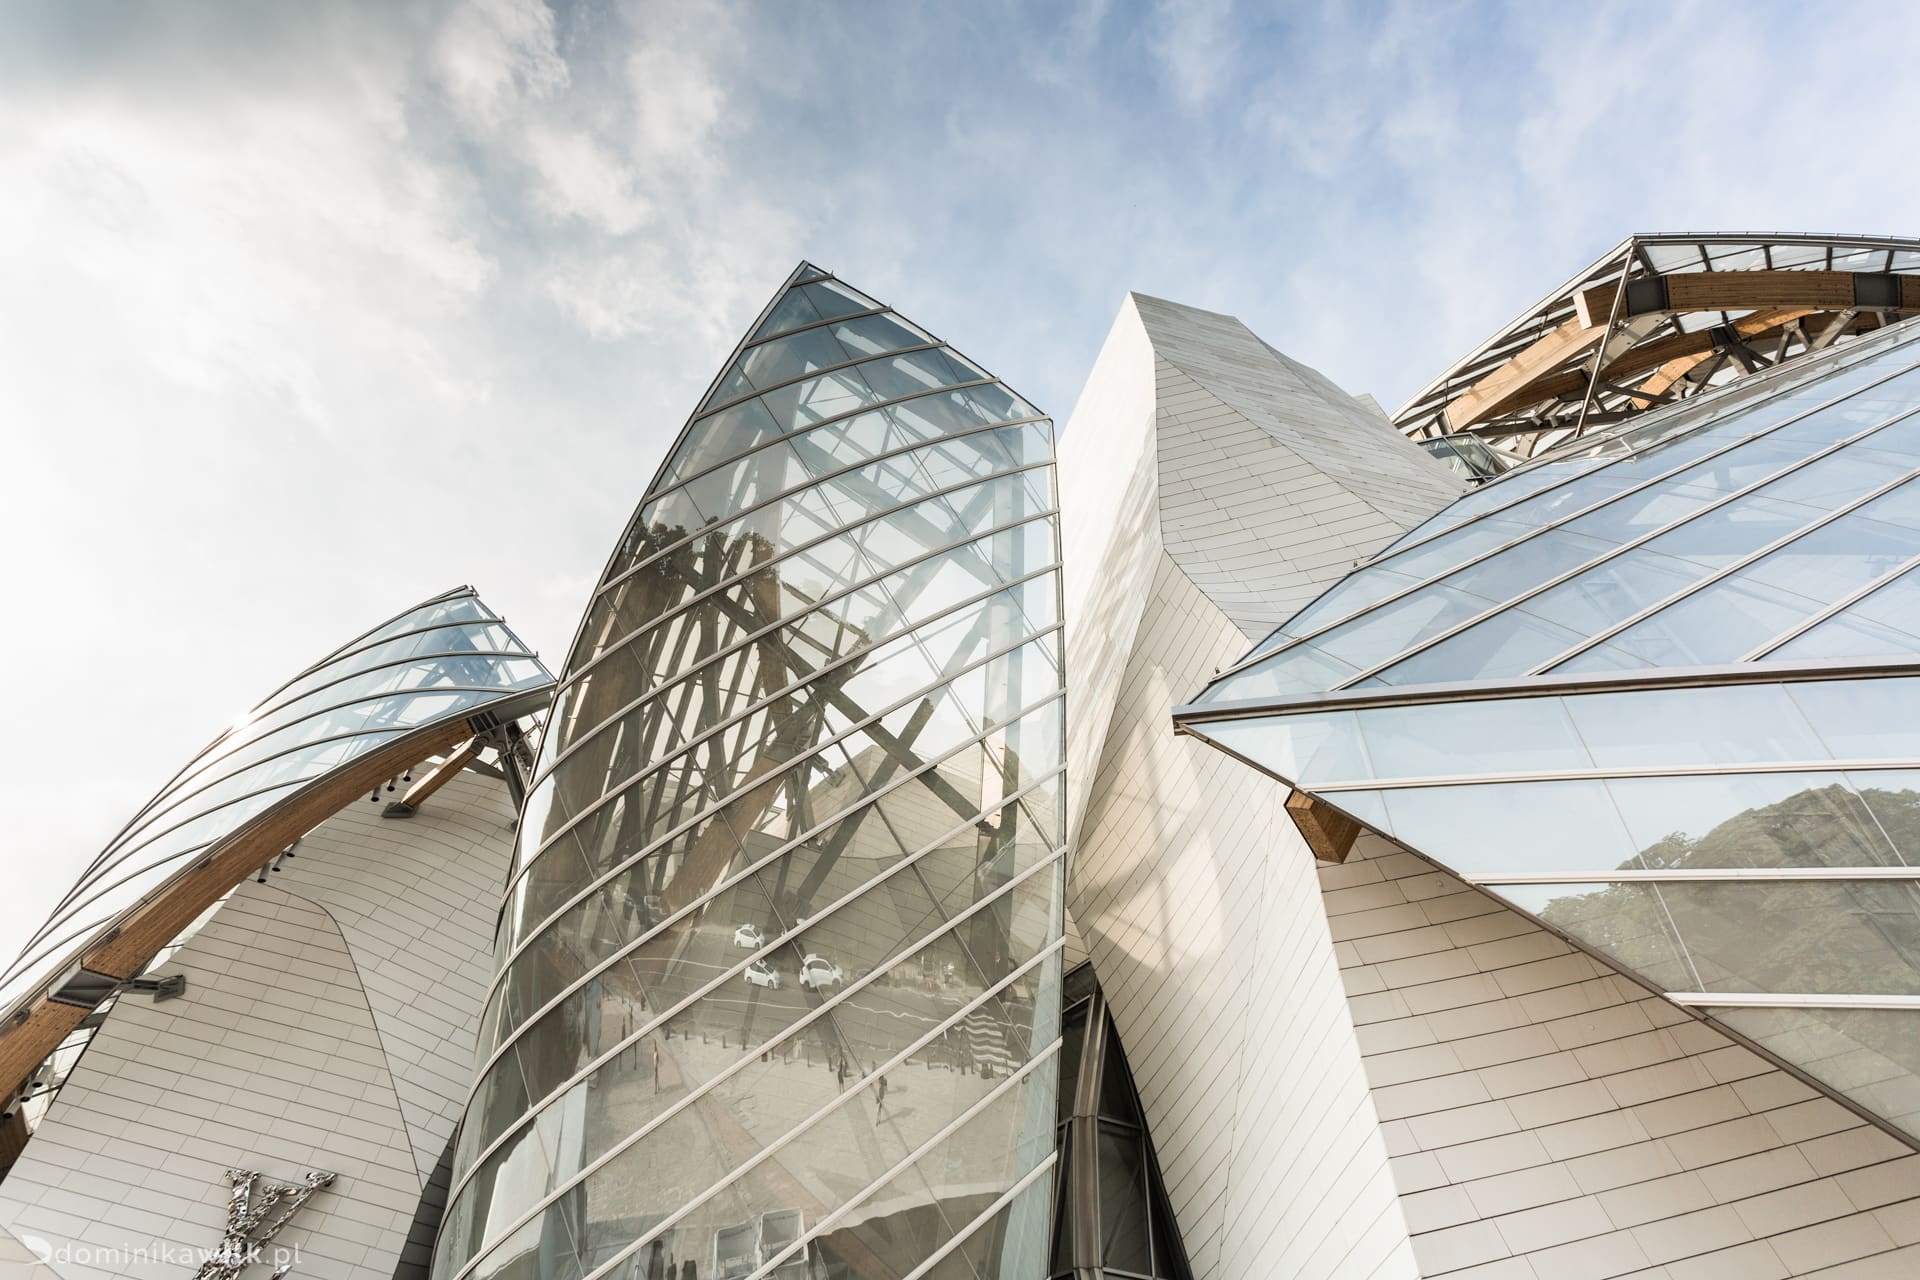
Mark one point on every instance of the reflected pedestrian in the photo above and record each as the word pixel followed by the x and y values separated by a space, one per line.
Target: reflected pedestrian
pixel 656 1065
pixel 883 1097
pixel 842 1072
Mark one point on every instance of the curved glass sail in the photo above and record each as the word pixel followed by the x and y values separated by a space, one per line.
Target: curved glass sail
pixel 779 979
pixel 409 682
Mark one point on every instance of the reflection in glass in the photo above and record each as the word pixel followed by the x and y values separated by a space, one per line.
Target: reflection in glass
pixel 789 880
pixel 1871 1056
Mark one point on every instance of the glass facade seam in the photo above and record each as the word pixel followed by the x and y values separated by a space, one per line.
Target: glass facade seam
pixel 1515 483
pixel 797 814
pixel 613 1153
pixel 734 879
pixel 685 824
pixel 1842 605
pixel 1268 650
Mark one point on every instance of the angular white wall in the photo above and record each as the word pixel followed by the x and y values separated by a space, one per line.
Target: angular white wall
pixel 1188 511
pixel 328 1023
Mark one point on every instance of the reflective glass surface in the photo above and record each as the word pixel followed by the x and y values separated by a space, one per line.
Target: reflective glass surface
pixel 438 661
pixel 787 890
pixel 1870 1055
pixel 1743 520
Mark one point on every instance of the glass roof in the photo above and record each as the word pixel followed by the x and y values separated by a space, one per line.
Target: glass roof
pixel 1657 689
pixel 1756 526
pixel 1661 318
pixel 441 660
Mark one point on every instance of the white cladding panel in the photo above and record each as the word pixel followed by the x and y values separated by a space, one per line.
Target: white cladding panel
pixel 328 1023
pixel 1193 892
pixel 1552 1120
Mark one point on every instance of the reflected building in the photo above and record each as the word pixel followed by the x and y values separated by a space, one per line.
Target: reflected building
pixel 779 984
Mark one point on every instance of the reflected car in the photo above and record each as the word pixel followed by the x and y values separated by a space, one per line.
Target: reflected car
pixel 778 1229
pixel 750 937
pixel 762 974
pixel 817 972
pixel 735 1251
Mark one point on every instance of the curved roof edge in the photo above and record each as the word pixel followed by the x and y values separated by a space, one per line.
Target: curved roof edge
pixel 417 685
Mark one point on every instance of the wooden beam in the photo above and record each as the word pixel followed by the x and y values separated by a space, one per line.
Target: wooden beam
pixel 1511 384
pixel 1328 832
pixel 26 1042
pixel 1750 291
pixel 1651 355
pixel 409 804
pixel 1685 362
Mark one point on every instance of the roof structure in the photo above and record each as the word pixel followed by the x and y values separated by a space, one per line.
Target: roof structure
pixel 415 686
pixel 1696 311
pixel 1656 690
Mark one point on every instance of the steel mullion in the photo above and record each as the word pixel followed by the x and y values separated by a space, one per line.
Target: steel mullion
pixel 769 947
pixel 791 1135
pixel 1735 769
pixel 1838 607
pixel 572 676
pixel 859 805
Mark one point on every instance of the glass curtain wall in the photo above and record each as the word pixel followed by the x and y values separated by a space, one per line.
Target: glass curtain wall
pixel 778 990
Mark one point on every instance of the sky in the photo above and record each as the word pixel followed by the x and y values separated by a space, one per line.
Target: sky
pixel 311 311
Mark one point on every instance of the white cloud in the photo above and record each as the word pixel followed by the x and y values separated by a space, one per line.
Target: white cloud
pixel 492 56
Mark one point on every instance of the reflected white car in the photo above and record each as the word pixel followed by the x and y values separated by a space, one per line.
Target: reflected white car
pixel 762 974
pixel 750 937
pixel 818 971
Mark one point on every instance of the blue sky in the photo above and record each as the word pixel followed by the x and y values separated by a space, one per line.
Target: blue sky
pixel 310 311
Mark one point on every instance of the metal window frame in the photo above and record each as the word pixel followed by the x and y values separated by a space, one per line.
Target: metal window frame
pixel 770 945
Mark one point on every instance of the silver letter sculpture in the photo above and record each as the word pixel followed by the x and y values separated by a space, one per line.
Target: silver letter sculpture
pixel 251 1223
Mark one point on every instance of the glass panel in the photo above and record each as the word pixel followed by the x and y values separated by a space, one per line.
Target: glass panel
pixel 1627 923
pixel 1123 1201
pixel 1880 625
pixel 1731 724
pixel 1750 820
pixel 1516 735
pixel 1862 719
pixel 1302 749
pixel 1511 827
pixel 1871 1056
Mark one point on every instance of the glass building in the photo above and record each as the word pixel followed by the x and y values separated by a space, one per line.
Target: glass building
pixel 779 990
pixel 1657 689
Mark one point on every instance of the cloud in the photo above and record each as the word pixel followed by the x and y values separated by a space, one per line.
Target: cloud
pixel 490 57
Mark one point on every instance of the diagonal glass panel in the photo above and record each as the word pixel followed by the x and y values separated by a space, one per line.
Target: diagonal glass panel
pixel 1871 1056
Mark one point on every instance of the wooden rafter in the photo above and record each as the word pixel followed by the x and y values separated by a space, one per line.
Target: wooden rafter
pixel 1511 384
pixel 1750 291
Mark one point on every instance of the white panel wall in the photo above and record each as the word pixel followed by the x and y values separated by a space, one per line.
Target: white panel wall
pixel 1551 1119
pixel 328 1023
pixel 1195 896
pixel 1190 887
